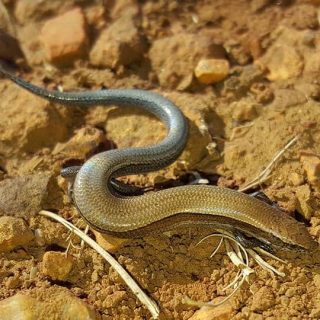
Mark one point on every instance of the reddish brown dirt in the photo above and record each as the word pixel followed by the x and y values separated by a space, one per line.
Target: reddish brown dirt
pixel 237 125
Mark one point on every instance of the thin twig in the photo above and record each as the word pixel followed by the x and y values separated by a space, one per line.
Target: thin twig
pixel 148 302
pixel 265 174
pixel 217 248
pixel 238 254
pixel 263 264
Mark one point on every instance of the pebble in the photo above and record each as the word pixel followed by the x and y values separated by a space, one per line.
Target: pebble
pixel 296 179
pixel 311 165
pixel 64 37
pixel 209 71
pixel 56 265
pixel 304 197
pixel 13 233
pixel 114 299
pixel 244 110
pixel 237 52
pixel 263 299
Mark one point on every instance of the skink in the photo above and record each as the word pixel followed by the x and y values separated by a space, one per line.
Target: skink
pixel 108 210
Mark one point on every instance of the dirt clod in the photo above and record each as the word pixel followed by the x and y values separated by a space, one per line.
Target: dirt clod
pixel 267 95
pixel 56 265
pixel 65 38
pixel 118 45
pixel 13 233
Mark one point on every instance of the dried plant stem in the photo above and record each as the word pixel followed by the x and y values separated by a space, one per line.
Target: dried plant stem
pixel 265 174
pixel 148 302
pixel 240 258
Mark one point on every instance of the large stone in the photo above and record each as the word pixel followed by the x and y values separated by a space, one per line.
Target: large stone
pixel 64 37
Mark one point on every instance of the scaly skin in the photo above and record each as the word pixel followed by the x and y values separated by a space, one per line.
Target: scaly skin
pixel 108 211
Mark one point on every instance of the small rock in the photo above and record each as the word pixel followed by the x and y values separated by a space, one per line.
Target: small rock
pixel 263 299
pixel 175 58
pixel 13 233
pixel 316 280
pixel 244 110
pixel 222 312
pixel 56 265
pixel 95 16
pixel 303 194
pixel 296 179
pixel 59 302
pixel 311 165
pixel 13 282
pixel 210 71
pixel 291 292
pixel 237 52
pixel 114 299
pixel 119 44
pixel 81 144
pixel 109 243
pixel 23 196
pixel 64 37
pixel 282 61
pixel 263 94
pixel 254 46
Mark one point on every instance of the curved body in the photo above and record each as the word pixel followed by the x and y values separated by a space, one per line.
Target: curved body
pixel 109 211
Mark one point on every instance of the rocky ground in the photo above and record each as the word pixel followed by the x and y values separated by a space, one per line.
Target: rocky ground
pixel 245 74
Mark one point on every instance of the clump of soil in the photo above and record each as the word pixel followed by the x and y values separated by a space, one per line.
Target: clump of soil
pixel 266 94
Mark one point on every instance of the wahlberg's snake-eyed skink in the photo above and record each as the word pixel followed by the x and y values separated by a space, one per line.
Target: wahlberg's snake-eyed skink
pixel 107 209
